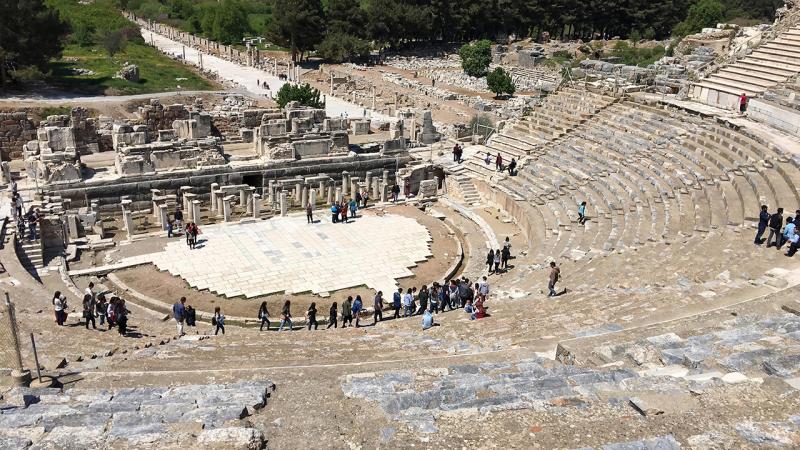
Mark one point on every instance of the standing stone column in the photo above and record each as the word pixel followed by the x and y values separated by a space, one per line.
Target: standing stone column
pixel 226 207
pixel 214 189
pixel 250 192
pixel 218 195
pixel 127 218
pixel 368 181
pixel 383 193
pixel 188 198
pixel 271 197
pixel 375 187
pixel 313 199
pixel 345 182
pixel 298 188
pixel 385 177
pixel 330 192
pixel 354 186
pixel 283 204
pixel 321 191
pixel 304 198
pixel 338 194
pixel 196 211
pixel 163 215
pixel 243 196
pixel 256 206
pixel 184 190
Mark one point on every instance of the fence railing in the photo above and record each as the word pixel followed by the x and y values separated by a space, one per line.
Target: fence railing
pixel 10 356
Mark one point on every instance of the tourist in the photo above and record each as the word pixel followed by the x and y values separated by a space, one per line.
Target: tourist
pixel 19 204
pixel 353 207
pixel 188 234
pixel 490 260
pixel 334 213
pixel 179 313
pixel 358 305
pixel 100 309
pixel 263 316
pixel 90 290
pixel 488 158
pixel 178 218
pixel 555 275
pixel 582 213
pixel 484 287
pixel 788 231
pixel 193 232
pixel 33 219
pixel 505 254
pixel 58 308
pixel 427 320
pixel 286 316
pixel 433 298
pixel 497 261
pixel 498 162
pixel 413 300
pixel 512 166
pixel 763 222
pixel 407 300
pixel 775 224
pixel 793 243
pixel 396 302
pixel 121 316
pixel 395 192
pixel 469 309
pixel 743 103
pixel 309 213
pixel 88 310
pixel 347 311
pixel 480 310
pixel 453 296
pixel 191 316
pixel 444 297
pixel 455 154
pixel 358 199
pixel 423 299
pixel 343 211
pixel 364 198
pixel 218 321
pixel 111 313
pixel 377 315
pixel 311 316
pixel 332 321
pixel 170 228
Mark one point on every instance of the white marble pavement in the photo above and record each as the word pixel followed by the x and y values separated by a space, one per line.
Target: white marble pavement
pixel 287 254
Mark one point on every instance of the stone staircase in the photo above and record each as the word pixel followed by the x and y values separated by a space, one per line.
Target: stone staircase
pixel 767 66
pixel 30 254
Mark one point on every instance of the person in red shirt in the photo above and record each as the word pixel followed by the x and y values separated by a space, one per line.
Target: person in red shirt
pixel 743 103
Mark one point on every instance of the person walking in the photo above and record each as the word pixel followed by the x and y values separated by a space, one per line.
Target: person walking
pixel 365 198
pixel 218 321
pixel 88 310
pixel 358 305
pixel 377 315
pixel 775 225
pixel 353 208
pixel 484 287
pixel 555 275
pixel 743 103
pixel 121 316
pixel 397 302
pixel 490 260
pixel 179 314
pixel 395 192
pixel 309 213
pixel 498 162
pixel 191 316
pixel 582 213
pixel 423 299
pixel 286 315
pixel 433 298
pixel 334 213
pixel 343 211
pixel 263 316
pixel 347 311
pixel 59 305
pixel 178 215
pixel 194 230
pixel 407 300
pixel 332 320
pixel 763 222
pixel 512 167
pixel 505 254
pixel 170 228
pixel 311 316
pixel 455 154
pixel 100 309
pixel 488 158
pixel 497 261
pixel 111 313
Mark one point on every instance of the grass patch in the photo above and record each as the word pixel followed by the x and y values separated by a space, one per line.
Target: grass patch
pixel 157 72
pixel 56 111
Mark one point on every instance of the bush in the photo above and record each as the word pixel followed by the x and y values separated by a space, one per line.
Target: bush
pixel 340 47
pixel 499 82
pixel 476 57
pixel 82 34
pixel 633 56
pixel 304 94
pixel 704 13
pixel 113 41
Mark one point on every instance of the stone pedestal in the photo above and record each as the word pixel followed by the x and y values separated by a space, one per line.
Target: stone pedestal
pixel 313 199
pixel 218 196
pixel 163 216
pixel 298 188
pixel 249 193
pixel 184 190
pixel 338 195
pixel 330 192
pixel 383 193
pixel 304 197
pixel 284 206
pixel 226 207
pixel 188 198
pixel 345 182
pixel 375 188
pixel 321 191
pixel 196 211
pixel 385 177
pixel 214 188
pixel 127 219
pixel 271 196
pixel 354 186
pixel 368 180
pixel 256 206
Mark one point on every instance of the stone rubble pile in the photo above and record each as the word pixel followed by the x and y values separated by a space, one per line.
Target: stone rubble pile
pixel 414 63
pixel 153 417
pixel 458 79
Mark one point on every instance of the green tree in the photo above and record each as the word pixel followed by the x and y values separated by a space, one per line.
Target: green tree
pixel 30 35
pixel 304 94
pixel 339 47
pixel 229 22
pixel 113 41
pixel 346 17
pixel 476 57
pixel 500 82
pixel 82 34
pixel 296 24
pixel 704 13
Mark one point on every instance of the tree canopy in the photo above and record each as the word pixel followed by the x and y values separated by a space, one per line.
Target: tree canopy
pixel 30 35
pixel 476 57
pixel 499 82
pixel 297 24
pixel 301 93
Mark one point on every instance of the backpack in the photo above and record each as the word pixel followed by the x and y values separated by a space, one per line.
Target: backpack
pixel 214 321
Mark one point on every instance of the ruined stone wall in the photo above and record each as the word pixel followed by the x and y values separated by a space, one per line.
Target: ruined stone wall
pixel 159 117
pixel 15 131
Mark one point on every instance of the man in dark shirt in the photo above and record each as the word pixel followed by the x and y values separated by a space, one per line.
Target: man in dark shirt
pixel 775 224
pixel 763 221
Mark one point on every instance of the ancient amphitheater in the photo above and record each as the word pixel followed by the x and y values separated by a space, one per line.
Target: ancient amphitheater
pixel 671 329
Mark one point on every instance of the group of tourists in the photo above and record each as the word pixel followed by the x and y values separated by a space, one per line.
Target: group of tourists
pixel 498 163
pixel 779 234
pixel 95 308
pixel 497 260
pixel 458 152
pixel 29 220
pixel 339 210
